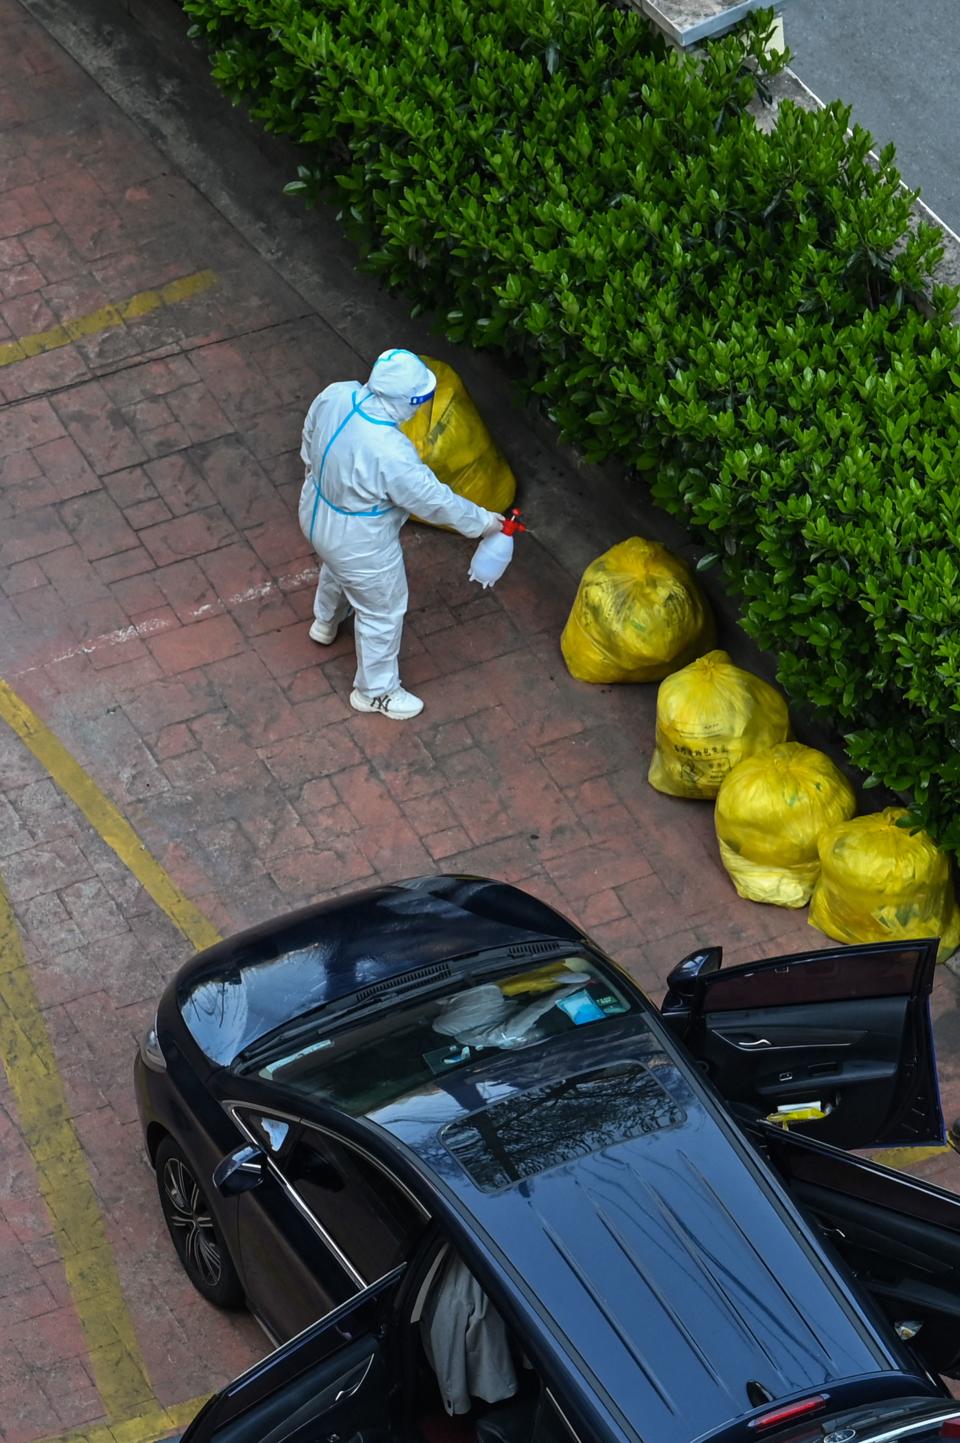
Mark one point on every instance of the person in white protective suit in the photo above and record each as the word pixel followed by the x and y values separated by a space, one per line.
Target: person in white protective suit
pixel 363 479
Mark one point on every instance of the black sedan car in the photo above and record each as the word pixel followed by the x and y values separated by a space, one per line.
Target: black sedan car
pixel 475 1186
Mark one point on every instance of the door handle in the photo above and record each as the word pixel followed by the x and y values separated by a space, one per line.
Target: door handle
pixel 743 1041
pixel 356 1385
pixel 743 1044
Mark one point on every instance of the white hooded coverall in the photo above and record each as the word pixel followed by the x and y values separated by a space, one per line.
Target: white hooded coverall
pixel 363 479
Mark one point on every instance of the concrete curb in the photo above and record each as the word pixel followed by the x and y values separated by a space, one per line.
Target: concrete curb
pixel 788 86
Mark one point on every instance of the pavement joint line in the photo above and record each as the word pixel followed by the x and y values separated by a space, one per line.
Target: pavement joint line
pixel 108 317
pixel 153 626
pixel 105 818
pixel 63 1173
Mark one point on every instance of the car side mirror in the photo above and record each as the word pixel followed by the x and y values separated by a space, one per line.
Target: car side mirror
pixel 240 1171
pixel 682 981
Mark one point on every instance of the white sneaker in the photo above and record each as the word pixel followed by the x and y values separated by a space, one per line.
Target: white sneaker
pixel 398 705
pixel 324 632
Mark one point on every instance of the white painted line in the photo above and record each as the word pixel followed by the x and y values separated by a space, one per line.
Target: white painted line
pixel 296 581
pixel 921 204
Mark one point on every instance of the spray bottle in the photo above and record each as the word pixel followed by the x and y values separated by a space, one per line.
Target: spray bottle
pixel 494 554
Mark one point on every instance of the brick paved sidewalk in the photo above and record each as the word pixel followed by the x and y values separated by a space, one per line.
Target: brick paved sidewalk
pixel 154 608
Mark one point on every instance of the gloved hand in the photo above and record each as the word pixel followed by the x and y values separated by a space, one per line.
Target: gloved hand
pixel 496 524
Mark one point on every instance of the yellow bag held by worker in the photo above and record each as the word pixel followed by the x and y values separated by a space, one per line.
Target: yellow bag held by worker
pixel 710 716
pixel 453 441
pixel 772 809
pixel 880 882
pixel 637 616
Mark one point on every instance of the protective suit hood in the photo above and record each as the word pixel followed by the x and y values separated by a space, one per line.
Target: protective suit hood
pixel 398 384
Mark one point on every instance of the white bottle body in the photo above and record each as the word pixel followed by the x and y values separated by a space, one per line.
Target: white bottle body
pixel 491 558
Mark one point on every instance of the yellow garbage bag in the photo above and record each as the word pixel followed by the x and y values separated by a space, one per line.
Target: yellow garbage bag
pixel 710 716
pixel 880 883
pixel 637 616
pixel 772 809
pixel 452 439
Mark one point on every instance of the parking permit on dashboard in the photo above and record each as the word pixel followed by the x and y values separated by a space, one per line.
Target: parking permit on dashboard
pixel 580 1007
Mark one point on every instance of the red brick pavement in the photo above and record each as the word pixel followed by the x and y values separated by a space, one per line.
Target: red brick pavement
pixel 156 591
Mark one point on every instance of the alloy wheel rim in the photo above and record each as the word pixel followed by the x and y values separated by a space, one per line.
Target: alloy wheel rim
pixel 191 1223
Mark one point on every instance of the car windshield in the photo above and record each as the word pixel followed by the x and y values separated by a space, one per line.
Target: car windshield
pixel 401 1047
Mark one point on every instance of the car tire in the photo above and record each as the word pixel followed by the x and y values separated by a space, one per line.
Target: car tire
pixel 197 1238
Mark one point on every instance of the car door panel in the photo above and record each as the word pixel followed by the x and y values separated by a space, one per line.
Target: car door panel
pixel 845 1031
pixel 899 1234
pixel 330 1382
pixel 362 1208
pixel 784 1060
pixel 291 1275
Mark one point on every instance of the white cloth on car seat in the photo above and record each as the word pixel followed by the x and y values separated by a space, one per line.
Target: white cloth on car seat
pixel 483 1017
pixel 465 1340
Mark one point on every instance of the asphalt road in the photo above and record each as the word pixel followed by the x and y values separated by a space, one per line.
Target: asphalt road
pixel 898 65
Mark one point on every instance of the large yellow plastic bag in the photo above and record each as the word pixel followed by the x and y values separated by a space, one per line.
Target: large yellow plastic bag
pixel 880 883
pixel 710 716
pixel 772 809
pixel 452 439
pixel 638 615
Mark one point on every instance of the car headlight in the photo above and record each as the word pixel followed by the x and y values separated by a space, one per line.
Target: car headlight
pixel 151 1053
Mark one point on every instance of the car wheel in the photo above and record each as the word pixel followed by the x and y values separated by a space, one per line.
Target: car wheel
pixel 196 1237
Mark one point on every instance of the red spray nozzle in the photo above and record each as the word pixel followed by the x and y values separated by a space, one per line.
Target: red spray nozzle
pixel 513 522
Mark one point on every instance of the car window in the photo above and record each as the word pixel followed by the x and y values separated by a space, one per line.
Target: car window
pixel 366 1211
pixel 406 1045
pixel 813 979
pixel 271 1132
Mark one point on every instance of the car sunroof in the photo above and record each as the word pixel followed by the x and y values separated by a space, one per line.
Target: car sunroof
pixel 544 1127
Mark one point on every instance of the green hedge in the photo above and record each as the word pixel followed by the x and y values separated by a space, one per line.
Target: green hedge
pixel 721 308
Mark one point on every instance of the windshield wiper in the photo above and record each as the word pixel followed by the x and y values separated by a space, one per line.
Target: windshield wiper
pixel 417 982
pixel 353 1005
pixel 287 1032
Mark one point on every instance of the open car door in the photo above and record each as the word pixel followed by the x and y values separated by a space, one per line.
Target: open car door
pixel 898 1234
pixel 838 1043
pixel 328 1381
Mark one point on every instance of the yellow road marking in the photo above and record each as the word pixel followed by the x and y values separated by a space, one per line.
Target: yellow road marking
pixel 143 1428
pixel 105 818
pixel 31 1068
pixel 904 1158
pixel 107 317
pixel 29 1061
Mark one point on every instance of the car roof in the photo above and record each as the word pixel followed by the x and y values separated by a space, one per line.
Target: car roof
pixel 675 1268
pixel 242 988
